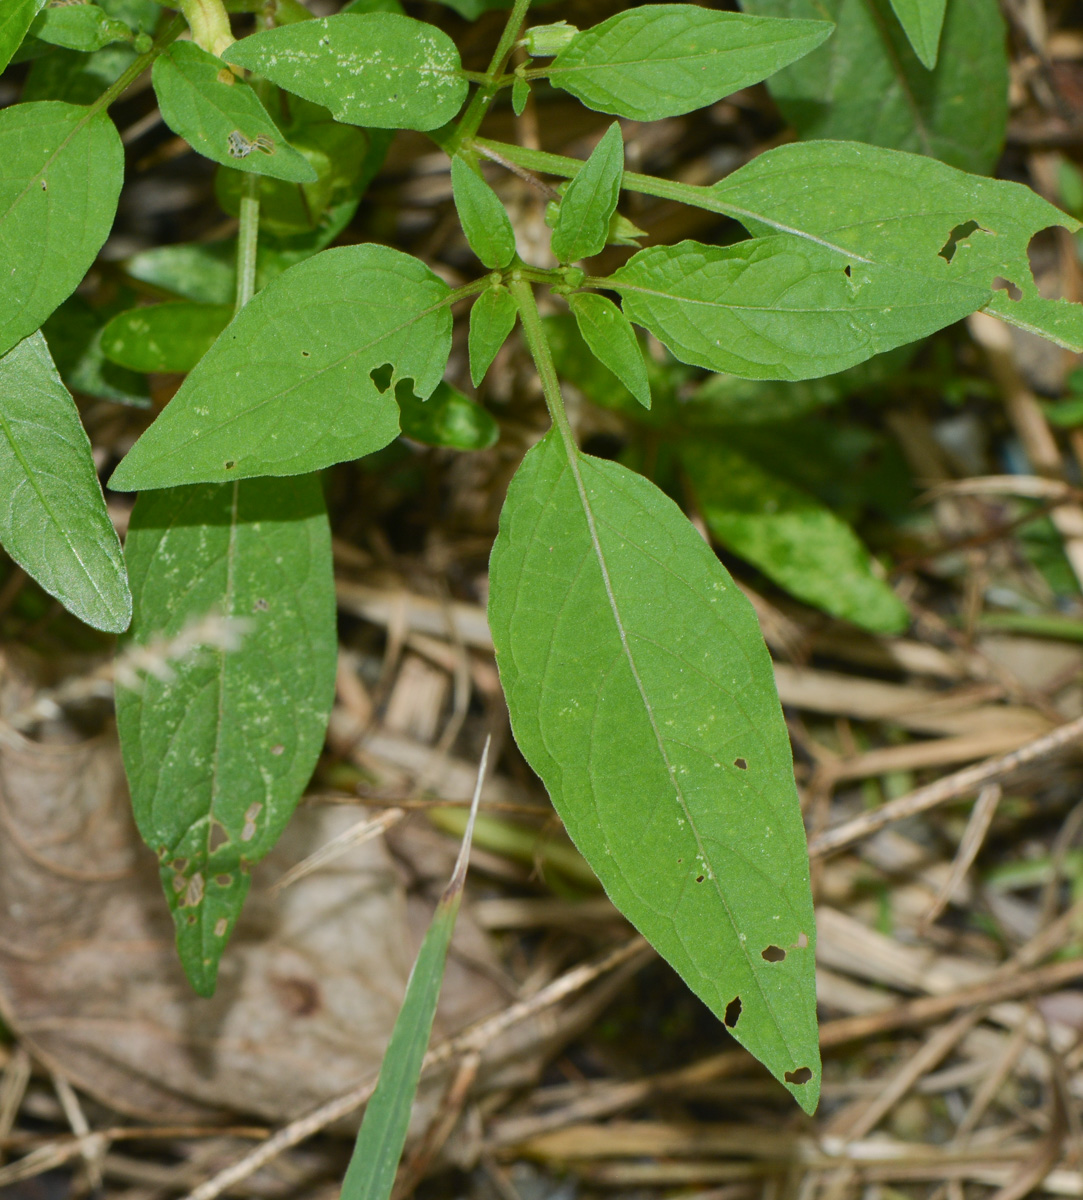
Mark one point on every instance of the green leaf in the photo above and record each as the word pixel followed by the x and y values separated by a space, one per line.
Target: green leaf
pixel 377 69
pixel 590 200
pixel 53 520
pixel 164 337
pixel 204 272
pixel 922 21
pixel 83 27
pixel 74 335
pixel 483 218
pixel 907 211
pixel 74 77
pixel 448 418
pixel 61 168
pixel 218 750
pixel 371 1173
pixel 520 94
pixel 492 318
pixel 223 121
pixel 611 338
pixel 641 692
pixel 867 84
pixel 15 19
pixel 288 387
pixel 782 307
pixel 661 60
pixel 790 536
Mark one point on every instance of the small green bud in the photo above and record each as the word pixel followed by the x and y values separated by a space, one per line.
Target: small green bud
pixel 552 212
pixel 574 276
pixel 543 41
pixel 142 42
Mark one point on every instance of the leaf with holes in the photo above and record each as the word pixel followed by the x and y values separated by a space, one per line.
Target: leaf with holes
pixel 164 337
pixel 662 60
pixel 221 117
pixel 582 226
pixel 53 520
pixel 790 536
pixel 612 341
pixel 377 69
pixel 15 19
pixel 235 609
pixel 782 307
pixel 866 82
pixel 483 218
pixel 922 21
pixel 906 211
pixel 288 387
pixel 61 167
pixel 641 692
pixel 492 318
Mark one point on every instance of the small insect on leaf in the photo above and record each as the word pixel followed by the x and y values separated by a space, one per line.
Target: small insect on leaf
pixel 241 147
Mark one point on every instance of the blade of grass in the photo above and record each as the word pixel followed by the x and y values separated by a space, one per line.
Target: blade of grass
pixel 371 1173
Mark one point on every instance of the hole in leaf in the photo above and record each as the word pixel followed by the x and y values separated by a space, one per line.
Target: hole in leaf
pixel 733 1011
pixel 699 879
pixel 305 354
pixel 229 464
pixel 381 377
pixel 740 764
pixel 773 954
pixel 802 941
pixel 218 837
pixel 801 1075
pixel 848 271
pixel 1000 284
pixel 959 234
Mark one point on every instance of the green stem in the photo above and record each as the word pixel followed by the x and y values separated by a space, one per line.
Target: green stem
pixel 209 23
pixel 247 241
pixel 136 68
pixel 483 97
pixel 534 332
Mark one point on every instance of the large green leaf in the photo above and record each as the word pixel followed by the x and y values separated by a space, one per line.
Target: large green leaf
pixel 582 227
pixel 61 167
pixel 377 69
pixel 288 387
pixel 15 19
pixel 904 210
pixel 218 751
pixel 790 536
pixel 483 218
pixel 53 520
pixel 922 21
pixel 164 337
pixel 223 121
pixel 866 82
pixel 782 307
pixel 661 60
pixel 641 692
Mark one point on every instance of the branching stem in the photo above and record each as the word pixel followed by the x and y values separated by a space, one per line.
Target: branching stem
pixel 534 332
pixel 494 78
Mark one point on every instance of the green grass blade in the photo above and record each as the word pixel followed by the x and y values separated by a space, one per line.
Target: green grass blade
pixel 371 1173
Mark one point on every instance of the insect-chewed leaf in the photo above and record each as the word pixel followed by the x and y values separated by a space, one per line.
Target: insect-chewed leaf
pixel 219 748
pixel 641 692
pixel 782 307
pixel 922 21
pixel 82 27
pixel 223 121
pixel 378 69
pixel 908 211
pixel 164 337
pixel 288 387
pixel 15 19
pixel 612 340
pixel 661 60
pixel 53 520
pixel 866 83
pixel 483 218
pixel 61 167
pixel 491 320
pixel 790 536
pixel 582 227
